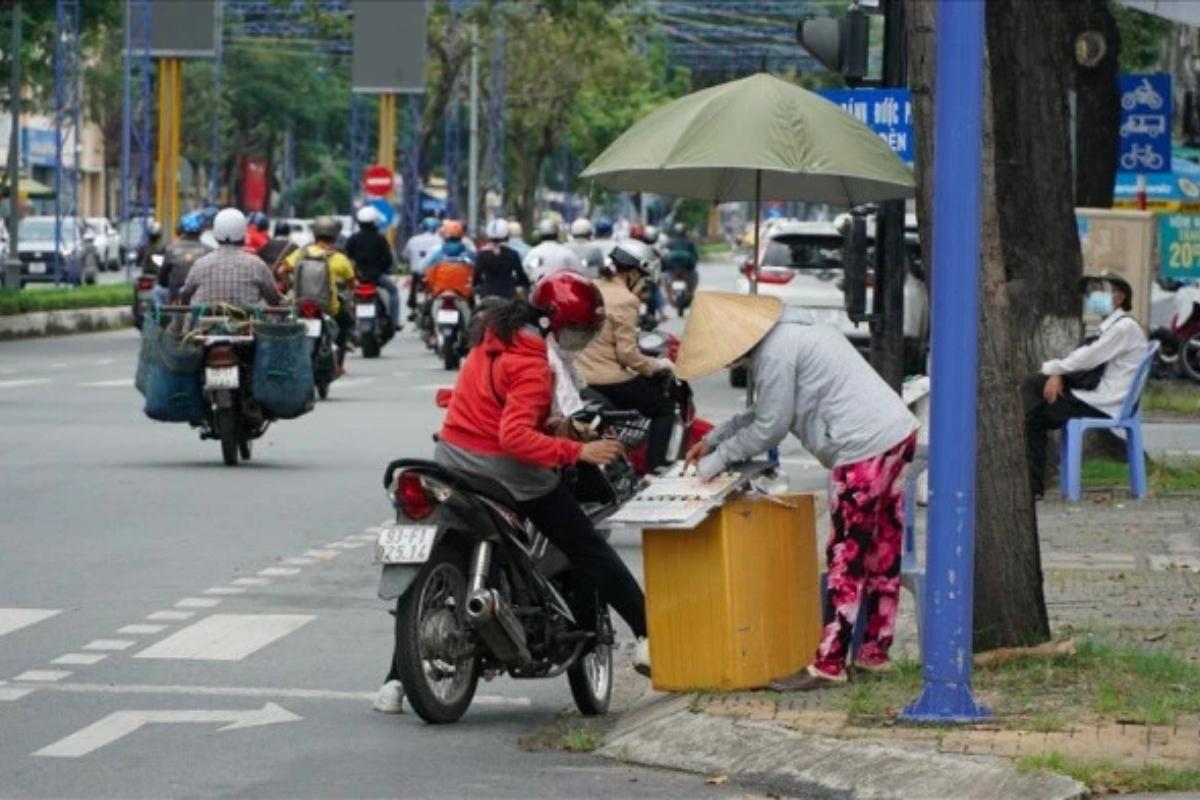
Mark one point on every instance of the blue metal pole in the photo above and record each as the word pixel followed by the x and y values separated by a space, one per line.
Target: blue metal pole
pixel 947 628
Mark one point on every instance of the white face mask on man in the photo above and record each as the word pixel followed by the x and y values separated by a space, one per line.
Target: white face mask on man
pixel 1100 302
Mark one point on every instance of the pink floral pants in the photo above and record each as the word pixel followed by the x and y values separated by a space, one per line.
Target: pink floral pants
pixel 866 507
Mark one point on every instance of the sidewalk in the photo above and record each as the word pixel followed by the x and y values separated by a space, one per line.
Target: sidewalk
pixel 1129 570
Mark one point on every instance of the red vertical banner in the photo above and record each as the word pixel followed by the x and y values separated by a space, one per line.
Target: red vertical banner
pixel 254 183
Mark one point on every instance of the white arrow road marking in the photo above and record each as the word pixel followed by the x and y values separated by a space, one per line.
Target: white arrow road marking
pixel 122 723
pixel 226 637
pixel 13 619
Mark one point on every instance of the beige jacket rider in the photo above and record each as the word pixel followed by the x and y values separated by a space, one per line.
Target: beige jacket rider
pixel 613 356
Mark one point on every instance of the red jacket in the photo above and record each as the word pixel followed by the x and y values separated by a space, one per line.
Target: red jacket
pixel 502 401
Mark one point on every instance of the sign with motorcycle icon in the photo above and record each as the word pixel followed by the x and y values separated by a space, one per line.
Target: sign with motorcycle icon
pixel 1145 123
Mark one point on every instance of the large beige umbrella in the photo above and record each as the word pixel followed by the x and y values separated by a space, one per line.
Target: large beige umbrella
pixel 759 138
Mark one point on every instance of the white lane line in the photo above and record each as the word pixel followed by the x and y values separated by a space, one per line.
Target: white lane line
pixel 346 545
pixel 251 582
pixel 43 675
pixel 80 659
pixel 138 630
pixel 8 695
pixel 278 572
pixel 224 590
pixel 323 555
pixel 110 644
pixel 255 691
pixel 350 383
pixel 363 537
pixel 429 387
pixel 298 562
pixel 197 602
pixel 172 616
pixel 104 362
pixel 121 382
pixel 13 619
pixel 226 637
pixel 15 384
pixel 59 365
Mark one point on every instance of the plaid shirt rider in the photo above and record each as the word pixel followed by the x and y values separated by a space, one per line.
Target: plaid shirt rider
pixel 230 275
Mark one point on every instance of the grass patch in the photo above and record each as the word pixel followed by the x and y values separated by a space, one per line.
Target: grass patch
pixel 1106 776
pixel 715 248
pixel 1176 476
pixel 14 301
pixel 1172 398
pixel 579 742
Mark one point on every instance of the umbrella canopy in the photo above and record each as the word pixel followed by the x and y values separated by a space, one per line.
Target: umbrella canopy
pixel 759 138
pixel 28 187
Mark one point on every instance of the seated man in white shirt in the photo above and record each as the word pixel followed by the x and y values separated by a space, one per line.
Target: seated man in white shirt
pixel 1049 397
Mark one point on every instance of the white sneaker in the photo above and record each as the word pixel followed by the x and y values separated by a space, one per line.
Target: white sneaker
pixel 390 699
pixel 641 656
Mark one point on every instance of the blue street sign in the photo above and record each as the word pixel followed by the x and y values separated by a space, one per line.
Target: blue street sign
pixel 387 213
pixel 1145 123
pixel 888 112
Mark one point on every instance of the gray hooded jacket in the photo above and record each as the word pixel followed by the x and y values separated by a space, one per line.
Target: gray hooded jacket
pixel 809 380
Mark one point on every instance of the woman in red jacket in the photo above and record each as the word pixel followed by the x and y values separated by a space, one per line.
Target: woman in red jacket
pixel 496 426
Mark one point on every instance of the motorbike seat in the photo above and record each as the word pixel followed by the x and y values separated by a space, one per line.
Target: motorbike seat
pixel 479 484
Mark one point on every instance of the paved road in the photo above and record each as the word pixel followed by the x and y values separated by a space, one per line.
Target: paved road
pixel 173 627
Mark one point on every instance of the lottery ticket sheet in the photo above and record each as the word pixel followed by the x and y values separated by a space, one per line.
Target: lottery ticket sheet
pixel 676 500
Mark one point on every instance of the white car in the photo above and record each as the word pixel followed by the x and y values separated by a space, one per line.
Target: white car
pixel 108 242
pixel 300 231
pixel 801 263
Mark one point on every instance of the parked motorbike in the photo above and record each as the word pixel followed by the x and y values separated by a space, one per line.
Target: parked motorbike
pixel 373 319
pixel 321 331
pixel 451 316
pixel 1179 348
pixel 479 591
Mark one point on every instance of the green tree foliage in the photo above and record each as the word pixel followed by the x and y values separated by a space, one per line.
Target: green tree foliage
pixel 1141 36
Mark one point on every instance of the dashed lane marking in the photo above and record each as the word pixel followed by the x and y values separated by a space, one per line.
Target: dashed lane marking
pixel 226 637
pixel 323 555
pixel 119 383
pixel 9 694
pixel 251 582
pixel 43 675
pixel 197 602
pixel 171 616
pixel 278 572
pixel 16 384
pixel 110 644
pixel 227 591
pixel 138 630
pixel 13 619
pixel 298 562
pixel 80 659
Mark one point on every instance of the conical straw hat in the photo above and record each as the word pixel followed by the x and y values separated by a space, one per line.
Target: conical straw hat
pixel 721 328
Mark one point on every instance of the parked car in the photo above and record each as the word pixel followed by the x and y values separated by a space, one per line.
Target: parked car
pixel 76 262
pixel 108 243
pixel 801 263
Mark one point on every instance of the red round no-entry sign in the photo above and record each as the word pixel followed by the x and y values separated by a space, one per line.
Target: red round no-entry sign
pixel 378 181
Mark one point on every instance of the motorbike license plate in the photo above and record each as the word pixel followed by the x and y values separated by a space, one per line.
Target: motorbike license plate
pixel 220 378
pixel 447 318
pixel 405 544
pixel 312 328
pixel 364 311
pixel 37 268
pixel 678 286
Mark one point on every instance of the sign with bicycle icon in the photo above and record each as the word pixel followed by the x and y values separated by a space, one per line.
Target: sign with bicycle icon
pixel 1145 123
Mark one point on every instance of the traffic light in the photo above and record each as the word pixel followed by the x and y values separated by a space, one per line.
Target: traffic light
pixel 839 44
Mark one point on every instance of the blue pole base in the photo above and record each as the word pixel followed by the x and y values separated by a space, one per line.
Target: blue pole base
pixel 945 702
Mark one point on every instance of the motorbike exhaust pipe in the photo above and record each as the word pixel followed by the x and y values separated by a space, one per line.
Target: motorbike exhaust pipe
pixel 498 627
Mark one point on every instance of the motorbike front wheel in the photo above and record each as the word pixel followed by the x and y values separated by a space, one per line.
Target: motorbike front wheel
pixel 591 676
pixel 434 654
pixel 1189 357
pixel 226 424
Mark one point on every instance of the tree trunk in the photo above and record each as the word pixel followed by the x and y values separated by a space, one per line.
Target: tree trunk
pixel 920 23
pixel 1097 105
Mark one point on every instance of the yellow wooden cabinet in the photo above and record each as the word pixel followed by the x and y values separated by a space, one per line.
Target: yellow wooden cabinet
pixel 733 602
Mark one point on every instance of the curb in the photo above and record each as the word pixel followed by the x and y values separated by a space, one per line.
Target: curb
pixel 664 733
pixel 52 323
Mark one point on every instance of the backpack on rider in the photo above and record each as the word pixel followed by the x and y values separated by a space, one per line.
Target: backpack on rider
pixel 310 277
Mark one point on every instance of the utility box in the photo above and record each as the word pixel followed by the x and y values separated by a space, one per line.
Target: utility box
pixel 734 601
pixel 1123 242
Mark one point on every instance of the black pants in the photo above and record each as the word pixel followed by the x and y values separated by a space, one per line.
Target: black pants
pixel 596 564
pixel 1041 418
pixel 345 324
pixel 645 395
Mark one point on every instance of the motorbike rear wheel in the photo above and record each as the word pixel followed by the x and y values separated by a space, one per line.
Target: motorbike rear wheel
pixel 323 390
pixel 450 357
pixel 370 344
pixel 226 423
pixel 434 656
pixel 591 677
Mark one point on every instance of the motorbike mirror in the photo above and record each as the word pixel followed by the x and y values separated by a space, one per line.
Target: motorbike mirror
pixel 854 269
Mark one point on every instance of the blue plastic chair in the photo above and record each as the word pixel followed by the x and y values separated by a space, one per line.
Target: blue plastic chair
pixel 1130 420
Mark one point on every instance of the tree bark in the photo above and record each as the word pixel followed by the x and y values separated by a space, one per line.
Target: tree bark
pixel 920 23
pixel 1097 105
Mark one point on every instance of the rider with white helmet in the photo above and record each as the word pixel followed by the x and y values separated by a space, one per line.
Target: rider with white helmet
pixel 588 251
pixel 549 256
pixel 498 271
pixel 371 254
pixel 228 274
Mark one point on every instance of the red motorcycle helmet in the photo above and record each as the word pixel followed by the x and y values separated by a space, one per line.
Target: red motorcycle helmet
pixel 572 308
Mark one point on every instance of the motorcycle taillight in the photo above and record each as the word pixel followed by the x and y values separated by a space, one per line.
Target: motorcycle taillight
pixel 449 304
pixel 412 497
pixel 222 357
pixel 145 283
pixel 309 309
pixel 365 291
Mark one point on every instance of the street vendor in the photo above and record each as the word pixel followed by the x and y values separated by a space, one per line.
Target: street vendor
pixel 809 380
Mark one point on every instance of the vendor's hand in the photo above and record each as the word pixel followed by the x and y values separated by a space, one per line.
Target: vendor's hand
pixel 1053 389
pixel 601 453
pixel 697 451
